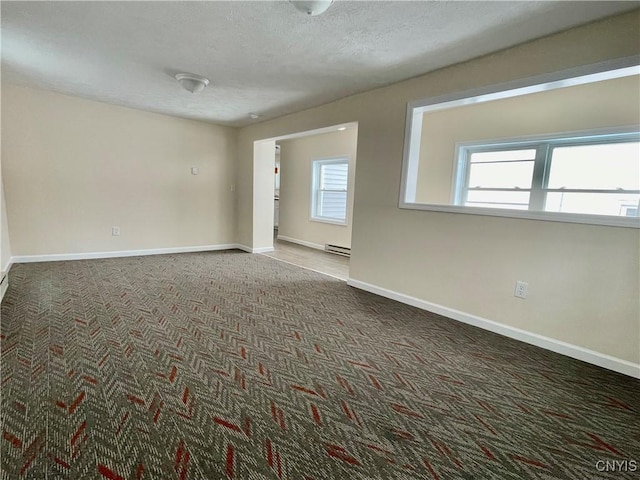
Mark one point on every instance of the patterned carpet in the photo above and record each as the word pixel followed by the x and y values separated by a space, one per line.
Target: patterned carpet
pixel 231 365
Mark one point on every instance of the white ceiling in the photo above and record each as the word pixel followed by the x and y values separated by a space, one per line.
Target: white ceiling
pixel 263 57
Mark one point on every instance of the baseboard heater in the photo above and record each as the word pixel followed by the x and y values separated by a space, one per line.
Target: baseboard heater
pixel 338 250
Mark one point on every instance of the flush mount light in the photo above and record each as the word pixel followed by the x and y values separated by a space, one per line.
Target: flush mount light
pixel 192 83
pixel 342 129
pixel 253 116
pixel 311 7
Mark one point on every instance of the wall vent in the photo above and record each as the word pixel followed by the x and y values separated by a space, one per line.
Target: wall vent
pixel 338 250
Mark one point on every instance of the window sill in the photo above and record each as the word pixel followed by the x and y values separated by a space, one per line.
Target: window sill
pixel 328 220
pixel 604 220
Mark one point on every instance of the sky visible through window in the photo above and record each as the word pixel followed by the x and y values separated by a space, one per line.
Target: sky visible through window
pixel 601 179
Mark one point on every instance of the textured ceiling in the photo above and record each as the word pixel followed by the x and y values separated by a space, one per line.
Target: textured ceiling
pixel 262 57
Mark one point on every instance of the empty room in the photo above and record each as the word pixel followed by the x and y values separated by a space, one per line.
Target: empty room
pixel 320 240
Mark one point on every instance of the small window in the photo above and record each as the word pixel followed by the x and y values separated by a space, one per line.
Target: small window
pixel 329 190
pixel 592 174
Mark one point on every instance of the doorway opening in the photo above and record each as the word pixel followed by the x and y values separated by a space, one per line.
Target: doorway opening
pixel 303 198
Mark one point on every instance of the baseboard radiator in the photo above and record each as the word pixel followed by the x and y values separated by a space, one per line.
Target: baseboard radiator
pixel 338 250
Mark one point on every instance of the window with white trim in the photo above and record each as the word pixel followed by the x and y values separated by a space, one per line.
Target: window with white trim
pixel 329 190
pixel 588 174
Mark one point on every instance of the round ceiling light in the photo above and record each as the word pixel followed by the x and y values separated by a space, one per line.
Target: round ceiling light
pixel 311 7
pixel 192 83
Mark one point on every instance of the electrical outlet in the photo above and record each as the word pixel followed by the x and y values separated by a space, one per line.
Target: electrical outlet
pixel 115 231
pixel 522 289
pixel 194 171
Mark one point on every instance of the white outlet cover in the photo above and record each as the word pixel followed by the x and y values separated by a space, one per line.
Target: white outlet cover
pixel 194 171
pixel 521 290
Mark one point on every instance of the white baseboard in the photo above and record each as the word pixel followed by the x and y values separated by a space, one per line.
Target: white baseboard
pixel 262 250
pixel 317 246
pixel 4 285
pixel 58 257
pixel 254 250
pixel 4 275
pixel 7 267
pixel 245 248
pixel 590 356
pixel 119 253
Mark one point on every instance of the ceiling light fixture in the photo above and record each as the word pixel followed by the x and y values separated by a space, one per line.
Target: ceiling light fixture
pixel 311 7
pixel 254 116
pixel 192 83
pixel 342 129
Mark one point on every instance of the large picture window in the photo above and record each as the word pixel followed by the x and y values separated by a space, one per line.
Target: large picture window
pixel 329 190
pixel 590 174
pixel 563 146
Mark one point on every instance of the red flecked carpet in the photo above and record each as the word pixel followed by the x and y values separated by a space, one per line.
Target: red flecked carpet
pixel 230 365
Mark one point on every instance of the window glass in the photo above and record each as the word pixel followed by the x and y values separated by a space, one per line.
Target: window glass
pixel 333 205
pixel 501 175
pixel 503 156
pixel 498 199
pixel 329 193
pixel 609 166
pixel 597 175
pixel 616 204
pixel 334 176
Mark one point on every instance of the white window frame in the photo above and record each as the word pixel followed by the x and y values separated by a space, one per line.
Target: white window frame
pixel 543 145
pixel 315 189
pixel 573 76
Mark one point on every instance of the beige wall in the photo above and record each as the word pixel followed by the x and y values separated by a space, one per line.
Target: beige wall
pixel 611 103
pixel 74 168
pixel 296 162
pixel 583 279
